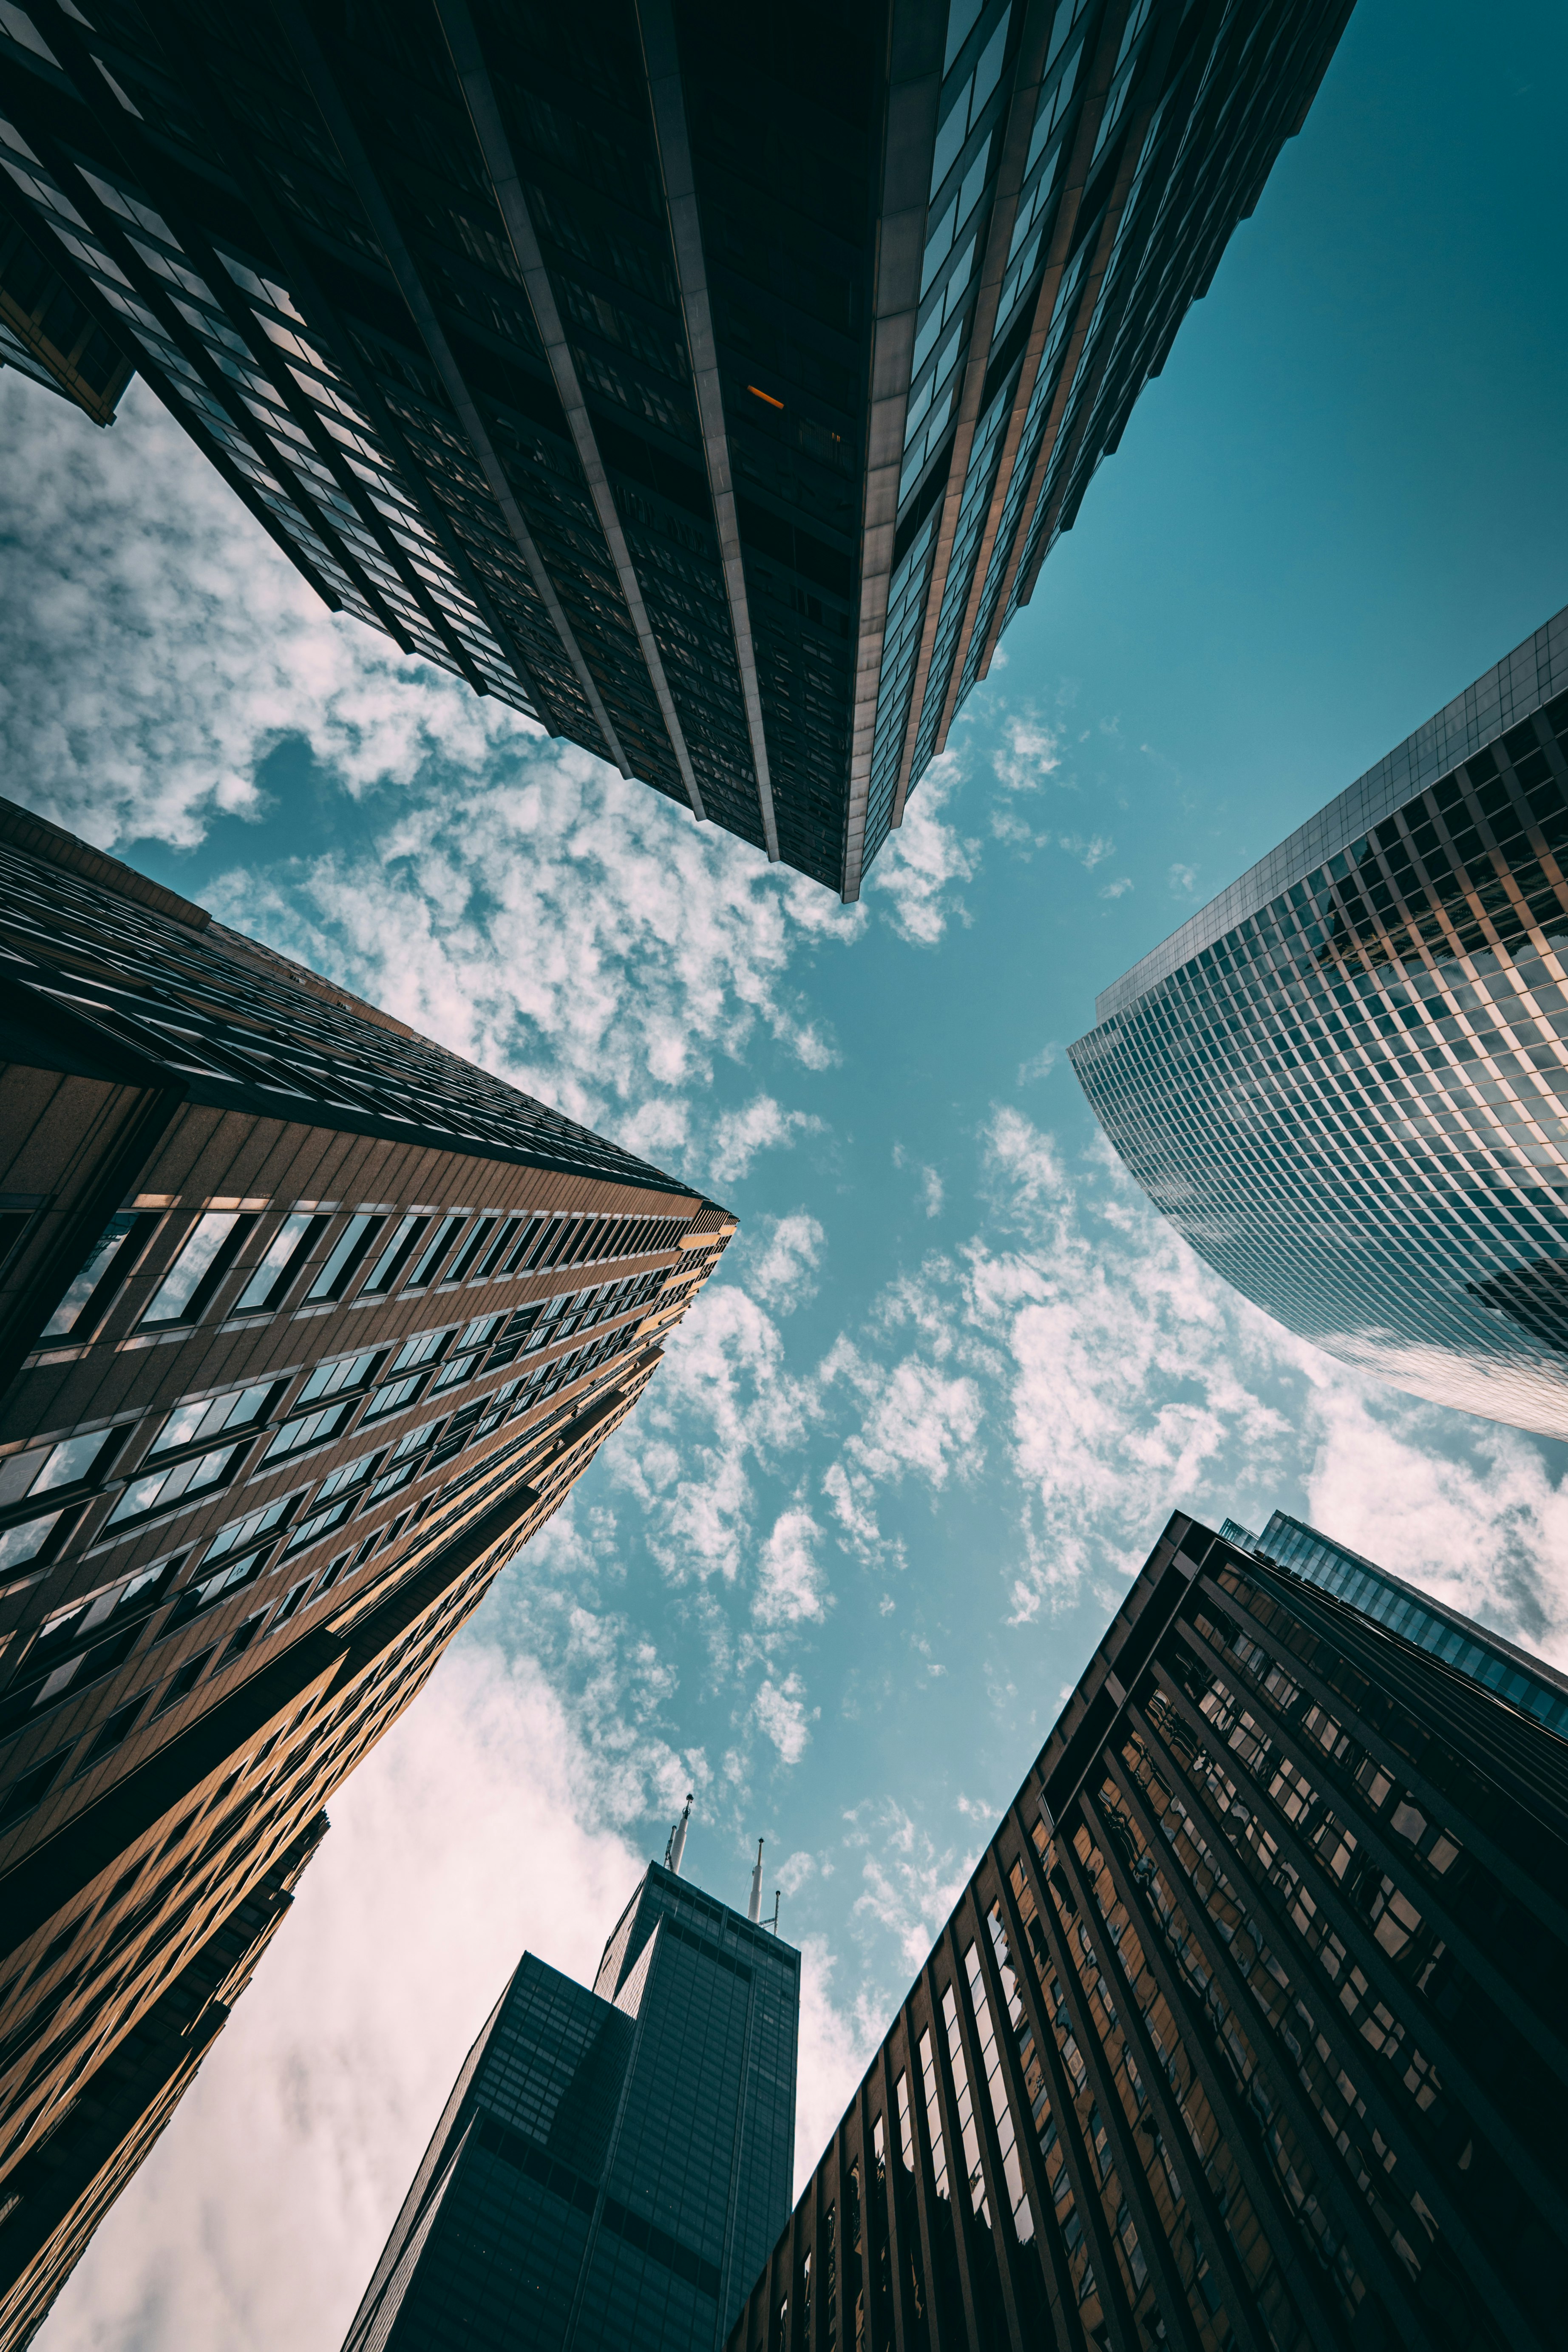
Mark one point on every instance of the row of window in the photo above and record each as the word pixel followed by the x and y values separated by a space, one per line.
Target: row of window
pixel 205 1443
pixel 420 1251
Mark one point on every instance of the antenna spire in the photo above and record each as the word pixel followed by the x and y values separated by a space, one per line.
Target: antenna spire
pixel 676 1846
pixel 754 1908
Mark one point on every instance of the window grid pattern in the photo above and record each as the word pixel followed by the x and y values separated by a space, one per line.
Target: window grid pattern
pixel 1272 1940
pixel 195 193
pixel 1354 1103
pixel 237 1024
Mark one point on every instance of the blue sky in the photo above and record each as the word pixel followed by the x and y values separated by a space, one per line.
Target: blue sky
pixel 906 1454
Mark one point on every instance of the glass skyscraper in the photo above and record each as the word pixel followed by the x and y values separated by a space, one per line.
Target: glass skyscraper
pixel 1345 1081
pixel 709 381
pixel 612 2166
pixel 1247 2028
pixel 307 1326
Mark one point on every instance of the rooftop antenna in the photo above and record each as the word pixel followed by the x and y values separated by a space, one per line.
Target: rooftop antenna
pixel 772 1924
pixel 754 1908
pixel 676 1846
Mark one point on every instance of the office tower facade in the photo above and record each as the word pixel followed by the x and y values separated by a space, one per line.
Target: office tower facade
pixel 1247 2029
pixel 306 1327
pixel 710 384
pixel 54 2199
pixel 612 2166
pixel 1345 1081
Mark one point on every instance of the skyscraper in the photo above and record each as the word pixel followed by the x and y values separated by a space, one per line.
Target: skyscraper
pixel 710 383
pixel 307 1326
pixel 1247 2028
pixel 612 2166
pixel 1345 1081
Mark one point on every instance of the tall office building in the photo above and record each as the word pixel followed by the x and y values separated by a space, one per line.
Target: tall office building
pixel 306 1327
pixel 612 2166
pixel 1345 1081
pixel 709 381
pixel 1247 2028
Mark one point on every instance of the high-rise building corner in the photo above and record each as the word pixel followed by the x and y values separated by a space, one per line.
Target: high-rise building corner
pixel 709 383
pixel 613 2164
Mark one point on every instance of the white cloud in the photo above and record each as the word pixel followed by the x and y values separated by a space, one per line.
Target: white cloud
pixel 781 1255
pixel 931 1191
pixel 761 1125
pixel 1183 880
pixel 1041 1065
pixel 924 859
pixel 1090 853
pixel 780 1710
pixel 790 1586
pixel 257 2217
pixel 1031 752
pixel 1117 889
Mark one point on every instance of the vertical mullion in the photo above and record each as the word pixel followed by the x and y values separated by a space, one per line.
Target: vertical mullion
pixel 902 2330
pixel 957 2177
pixel 1119 2317
pixel 1003 2232
pixel 1331 2184
pixel 1187 2161
pixel 1070 2336
pixel 1175 2303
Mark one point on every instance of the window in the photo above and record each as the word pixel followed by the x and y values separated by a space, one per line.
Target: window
pixel 80 1643
pixel 422 1349
pixel 184 1482
pixel 394 1396
pixel 26 1478
pixel 497 1253
pixel 183 1683
pixel 206 1591
pixel 352 1474
pixel 244 1635
pixel 246 1530
pixel 201 1419
pixel 291 1601
pixel 345 1258
pixel 406 1239
pixel 310 1428
pixel 348 1374
pixel 113 1257
pixel 465 1361
pixel 320 1523
pixel 425 1271
pixel 191 1284
pixel 113 1732
pixel 285 1255
pixel 467 1255
pixel 32 1788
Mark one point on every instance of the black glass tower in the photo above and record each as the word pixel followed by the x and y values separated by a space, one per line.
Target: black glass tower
pixel 612 2166
pixel 710 381
pixel 1248 2030
pixel 1345 1080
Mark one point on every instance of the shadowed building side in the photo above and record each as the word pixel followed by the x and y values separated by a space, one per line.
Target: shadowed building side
pixel 612 2165
pixel 706 382
pixel 1247 2028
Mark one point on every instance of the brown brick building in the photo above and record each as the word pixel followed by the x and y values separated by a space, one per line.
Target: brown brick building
pixel 308 1326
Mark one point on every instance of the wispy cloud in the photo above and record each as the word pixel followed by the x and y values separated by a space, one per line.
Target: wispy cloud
pixel 916 874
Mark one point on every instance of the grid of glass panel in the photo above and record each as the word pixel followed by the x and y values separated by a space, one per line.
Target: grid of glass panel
pixel 305 250
pixel 233 1033
pixel 1354 1103
pixel 1260 1971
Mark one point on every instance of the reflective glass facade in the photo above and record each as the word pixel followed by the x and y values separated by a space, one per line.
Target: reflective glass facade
pixel 709 383
pixel 306 1327
pixel 612 2166
pixel 1246 2030
pixel 1346 1081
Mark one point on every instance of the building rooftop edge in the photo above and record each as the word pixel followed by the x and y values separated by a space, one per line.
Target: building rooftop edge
pixel 1519 683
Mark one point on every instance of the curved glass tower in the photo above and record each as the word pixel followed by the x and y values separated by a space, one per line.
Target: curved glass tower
pixel 1345 1081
